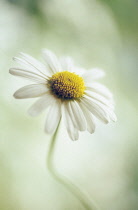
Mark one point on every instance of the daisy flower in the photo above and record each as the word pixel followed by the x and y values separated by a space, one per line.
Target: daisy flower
pixel 67 90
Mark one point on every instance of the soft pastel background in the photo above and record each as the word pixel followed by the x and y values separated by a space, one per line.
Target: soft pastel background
pixel 100 33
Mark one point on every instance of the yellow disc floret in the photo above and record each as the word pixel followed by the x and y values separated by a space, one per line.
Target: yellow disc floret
pixel 66 85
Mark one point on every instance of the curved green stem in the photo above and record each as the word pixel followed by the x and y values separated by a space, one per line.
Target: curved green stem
pixel 63 180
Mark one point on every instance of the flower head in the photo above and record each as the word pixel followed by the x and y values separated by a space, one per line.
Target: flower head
pixel 67 91
pixel 67 85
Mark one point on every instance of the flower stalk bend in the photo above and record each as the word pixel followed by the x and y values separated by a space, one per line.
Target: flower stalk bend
pixel 63 180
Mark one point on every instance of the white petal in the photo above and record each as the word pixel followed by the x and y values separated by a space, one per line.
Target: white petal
pixel 79 71
pixel 53 117
pixel 89 119
pixel 67 63
pixel 78 114
pixel 41 104
pixel 52 61
pixel 110 113
pixel 31 91
pixel 112 116
pixel 27 74
pixel 72 131
pixel 93 74
pixel 24 63
pixel 29 65
pixel 99 98
pixel 106 109
pixel 99 88
pixel 72 116
pixel 34 63
pixel 99 112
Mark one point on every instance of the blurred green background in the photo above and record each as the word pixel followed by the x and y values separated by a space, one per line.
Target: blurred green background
pixel 100 33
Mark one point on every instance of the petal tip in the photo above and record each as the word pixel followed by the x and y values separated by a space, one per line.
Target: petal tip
pixel 115 119
pixel 15 95
pixel 91 131
pixel 47 130
pixel 10 71
pixel 31 113
pixel 74 139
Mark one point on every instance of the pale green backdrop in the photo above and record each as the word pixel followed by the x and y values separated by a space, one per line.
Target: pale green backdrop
pixel 96 34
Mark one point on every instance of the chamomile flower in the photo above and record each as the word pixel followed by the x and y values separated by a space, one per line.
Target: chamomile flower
pixel 67 91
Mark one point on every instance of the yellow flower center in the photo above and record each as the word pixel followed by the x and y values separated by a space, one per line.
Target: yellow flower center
pixel 67 85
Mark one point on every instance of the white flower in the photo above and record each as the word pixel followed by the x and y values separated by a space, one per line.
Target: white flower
pixel 68 91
